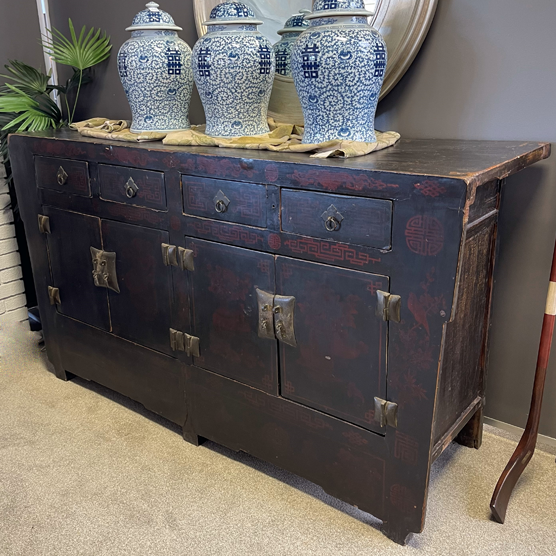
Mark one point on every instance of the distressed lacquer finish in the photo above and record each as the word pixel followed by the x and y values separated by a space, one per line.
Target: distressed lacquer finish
pixel 328 335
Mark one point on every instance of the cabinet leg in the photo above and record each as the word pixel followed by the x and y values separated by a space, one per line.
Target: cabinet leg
pixel 62 374
pixel 472 434
pixel 396 532
pixel 189 434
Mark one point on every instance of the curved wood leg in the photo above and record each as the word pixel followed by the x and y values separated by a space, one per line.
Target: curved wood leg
pixel 526 447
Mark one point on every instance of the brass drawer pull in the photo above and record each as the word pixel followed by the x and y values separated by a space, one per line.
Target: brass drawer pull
pixel 62 176
pixel 332 219
pixel 221 202
pixel 131 188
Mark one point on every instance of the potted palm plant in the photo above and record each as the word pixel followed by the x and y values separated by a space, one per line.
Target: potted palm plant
pixel 29 101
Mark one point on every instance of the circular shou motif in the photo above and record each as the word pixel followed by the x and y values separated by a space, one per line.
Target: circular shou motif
pixel 233 67
pixel 424 235
pixel 338 67
pixel 155 70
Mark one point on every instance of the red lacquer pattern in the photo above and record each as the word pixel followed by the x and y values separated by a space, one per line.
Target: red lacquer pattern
pixel 424 235
pixel 271 173
pixel 133 214
pixel 225 233
pixel 329 252
pixel 332 181
pixel 430 188
pixel 374 286
pixel 355 438
pixel 406 449
pixel 402 499
pixel 274 241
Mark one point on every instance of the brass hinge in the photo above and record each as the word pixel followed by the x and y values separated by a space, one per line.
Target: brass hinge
pixel 386 413
pixel 54 296
pixel 44 224
pixel 180 341
pixel 178 257
pixel 389 306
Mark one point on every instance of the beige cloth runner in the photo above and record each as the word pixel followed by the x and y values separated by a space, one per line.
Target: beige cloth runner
pixel 282 137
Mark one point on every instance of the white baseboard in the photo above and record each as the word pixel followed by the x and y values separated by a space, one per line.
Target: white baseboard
pixel 517 432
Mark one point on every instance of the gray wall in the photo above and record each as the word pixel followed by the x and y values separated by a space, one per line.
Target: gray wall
pixel 105 96
pixel 486 71
pixel 19 33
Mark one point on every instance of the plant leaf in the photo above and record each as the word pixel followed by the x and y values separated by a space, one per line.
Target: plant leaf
pixel 28 113
pixel 81 52
pixel 27 78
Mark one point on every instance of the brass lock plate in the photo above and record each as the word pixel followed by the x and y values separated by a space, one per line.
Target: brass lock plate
pixel 104 270
pixel 284 307
pixel 266 316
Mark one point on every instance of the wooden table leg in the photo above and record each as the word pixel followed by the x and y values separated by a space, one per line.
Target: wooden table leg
pixel 526 447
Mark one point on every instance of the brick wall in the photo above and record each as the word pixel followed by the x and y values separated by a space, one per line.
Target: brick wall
pixel 12 292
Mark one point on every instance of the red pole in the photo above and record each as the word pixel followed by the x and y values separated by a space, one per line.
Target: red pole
pixel 526 447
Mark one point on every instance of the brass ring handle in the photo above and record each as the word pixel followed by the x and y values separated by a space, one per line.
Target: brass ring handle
pixel 62 176
pixel 332 224
pixel 130 192
pixel 220 206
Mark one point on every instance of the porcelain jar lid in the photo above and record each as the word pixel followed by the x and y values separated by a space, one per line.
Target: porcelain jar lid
pixel 232 12
pixel 334 8
pixel 153 19
pixel 296 23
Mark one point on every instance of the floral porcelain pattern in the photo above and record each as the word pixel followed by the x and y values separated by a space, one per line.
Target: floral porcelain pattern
pixel 151 16
pixel 155 71
pixel 232 10
pixel 338 68
pixel 234 66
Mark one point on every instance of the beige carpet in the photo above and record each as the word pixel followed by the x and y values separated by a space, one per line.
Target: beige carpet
pixel 84 471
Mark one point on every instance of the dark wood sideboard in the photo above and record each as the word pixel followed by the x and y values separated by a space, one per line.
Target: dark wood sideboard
pixel 328 316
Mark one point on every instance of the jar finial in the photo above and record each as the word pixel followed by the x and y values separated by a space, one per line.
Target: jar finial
pixel 153 6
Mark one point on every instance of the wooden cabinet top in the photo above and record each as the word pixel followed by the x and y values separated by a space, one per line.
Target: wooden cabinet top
pixel 473 162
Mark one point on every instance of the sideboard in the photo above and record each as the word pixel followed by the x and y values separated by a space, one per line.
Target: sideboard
pixel 328 316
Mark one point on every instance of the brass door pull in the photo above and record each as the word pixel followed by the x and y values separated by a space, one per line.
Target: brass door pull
pixel 104 270
pixel 276 317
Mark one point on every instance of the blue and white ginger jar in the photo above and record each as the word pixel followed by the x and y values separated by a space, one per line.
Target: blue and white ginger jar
pixel 338 67
pixel 155 70
pixel 294 26
pixel 234 66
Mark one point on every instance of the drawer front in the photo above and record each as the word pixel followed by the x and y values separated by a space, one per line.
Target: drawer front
pixel 243 203
pixel 356 220
pixel 142 188
pixel 61 174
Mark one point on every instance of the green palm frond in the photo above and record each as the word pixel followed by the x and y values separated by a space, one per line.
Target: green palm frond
pixel 80 52
pixel 27 78
pixel 30 114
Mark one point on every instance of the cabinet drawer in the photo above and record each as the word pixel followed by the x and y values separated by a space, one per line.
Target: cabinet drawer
pixel 142 188
pixel 243 203
pixel 356 220
pixel 61 174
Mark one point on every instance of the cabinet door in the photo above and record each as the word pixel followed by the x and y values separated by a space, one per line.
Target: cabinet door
pixel 69 247
pixel 141 311
pixel 339 362
pixel 225 312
